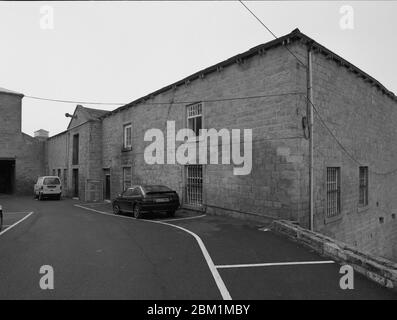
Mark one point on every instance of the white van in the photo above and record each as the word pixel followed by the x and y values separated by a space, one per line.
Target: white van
pixel 48 186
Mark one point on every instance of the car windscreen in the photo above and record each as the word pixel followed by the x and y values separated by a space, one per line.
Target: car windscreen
pixel 48 181
pixel 156 189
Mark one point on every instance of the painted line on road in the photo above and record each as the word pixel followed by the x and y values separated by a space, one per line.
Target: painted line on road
pixel 215 274
pixel 189 218
pixel 16 223
pixel 17 212
pixel 272 264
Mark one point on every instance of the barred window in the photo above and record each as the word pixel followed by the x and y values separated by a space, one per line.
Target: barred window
pixel 194 185
pixel 195 117
pixel 363 186
pixel 127 178
pixel 333 191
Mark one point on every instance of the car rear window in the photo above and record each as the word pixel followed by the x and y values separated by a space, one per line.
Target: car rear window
pixel 156 189
pixel 48 181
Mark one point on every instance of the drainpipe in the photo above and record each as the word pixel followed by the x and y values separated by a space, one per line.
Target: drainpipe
pixel 310 118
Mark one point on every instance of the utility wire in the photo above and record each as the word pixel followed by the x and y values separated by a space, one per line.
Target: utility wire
pixel 315 109
pixel 271 32
pixel 173 102
pixel 72 101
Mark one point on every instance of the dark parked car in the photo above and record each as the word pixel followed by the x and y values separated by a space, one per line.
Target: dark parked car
pixel 142 199
pixel 1 217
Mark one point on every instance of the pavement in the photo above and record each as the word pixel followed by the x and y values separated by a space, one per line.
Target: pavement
pixel 98 255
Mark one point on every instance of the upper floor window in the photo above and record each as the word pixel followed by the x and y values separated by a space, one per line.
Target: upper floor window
pixel 333 191
pixel 195 117
pixel 363 186
pixel 75 156
pixel 127 143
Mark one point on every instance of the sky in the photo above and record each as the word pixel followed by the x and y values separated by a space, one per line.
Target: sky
pixel 116 52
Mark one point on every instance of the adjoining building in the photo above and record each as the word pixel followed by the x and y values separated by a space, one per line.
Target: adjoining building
pixel 263 89
pixel 21 156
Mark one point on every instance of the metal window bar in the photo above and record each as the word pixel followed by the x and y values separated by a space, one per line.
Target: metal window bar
pixel 363 186
pixel 333 191
pixel 194 185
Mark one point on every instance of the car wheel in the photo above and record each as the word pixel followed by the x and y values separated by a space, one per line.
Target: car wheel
pixel 116 209
pixel 171 213
pixel 137 212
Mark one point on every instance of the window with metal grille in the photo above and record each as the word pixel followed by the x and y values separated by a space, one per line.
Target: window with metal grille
pixel 126 178
pixel 194 185
pixel 333 191
pixel 195 117
pixel 363 186
pixel 127 143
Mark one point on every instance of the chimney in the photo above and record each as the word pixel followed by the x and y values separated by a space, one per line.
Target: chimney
pixel 41 134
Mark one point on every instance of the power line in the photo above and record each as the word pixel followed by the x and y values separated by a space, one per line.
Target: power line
pixel 271 32
pixel 174 102
pixel 73 101
pixel 343 147
pixel 315 109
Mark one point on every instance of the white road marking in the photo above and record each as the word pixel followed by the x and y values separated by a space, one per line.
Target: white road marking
pixel 218 279
pixel 273 264
pixel 179 219
pixel 16 223
pixel 16 212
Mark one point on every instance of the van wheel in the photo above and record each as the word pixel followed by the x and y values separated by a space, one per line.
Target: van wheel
pixel 137 212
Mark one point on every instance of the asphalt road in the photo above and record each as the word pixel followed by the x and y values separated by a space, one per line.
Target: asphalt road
pixel 96 255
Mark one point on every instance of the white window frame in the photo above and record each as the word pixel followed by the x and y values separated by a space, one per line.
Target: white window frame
pixel 127 144
pixel 192 114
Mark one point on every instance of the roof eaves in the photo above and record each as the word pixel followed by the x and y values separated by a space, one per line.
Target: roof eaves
pixel 260 49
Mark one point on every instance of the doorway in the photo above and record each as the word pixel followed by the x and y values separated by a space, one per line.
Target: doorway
pixel 107 184
pixel 75 183
pixel 7 176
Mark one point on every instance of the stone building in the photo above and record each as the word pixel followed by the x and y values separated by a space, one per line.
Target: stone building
pixel 21 156
pixel 263 89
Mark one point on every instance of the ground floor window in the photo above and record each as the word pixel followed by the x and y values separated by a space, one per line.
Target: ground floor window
pixel 333 191
pixel 194 185
pixel 363 186
pixel 127 178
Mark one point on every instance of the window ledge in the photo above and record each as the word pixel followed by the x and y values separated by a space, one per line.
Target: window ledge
pixel 328 220
pixel 362 209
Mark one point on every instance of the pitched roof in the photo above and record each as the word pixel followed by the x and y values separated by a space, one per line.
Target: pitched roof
pixel 88 113
pixel 295 35
pixel 4 90
pixel 94 113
